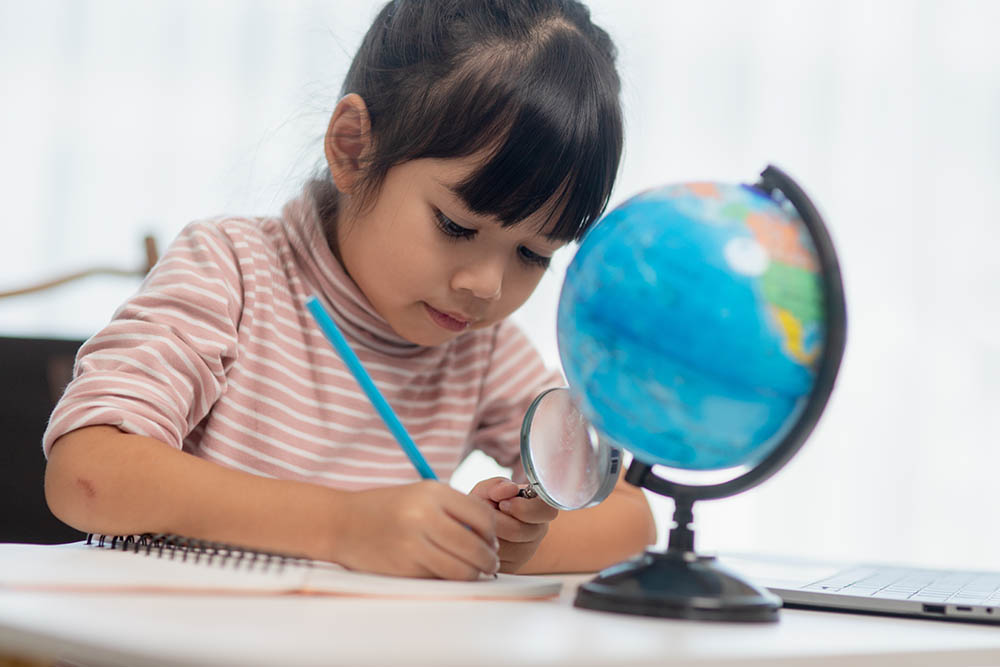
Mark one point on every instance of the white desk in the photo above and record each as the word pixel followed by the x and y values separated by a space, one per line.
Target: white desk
pixel 134 629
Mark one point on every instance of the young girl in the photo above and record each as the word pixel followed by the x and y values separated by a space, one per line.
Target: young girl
pixel 474 138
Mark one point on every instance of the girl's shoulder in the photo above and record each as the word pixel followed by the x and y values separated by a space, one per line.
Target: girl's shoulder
pixel 228 239
pixel 233 230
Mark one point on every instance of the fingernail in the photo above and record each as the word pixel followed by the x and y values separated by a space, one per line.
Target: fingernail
pixel 504 505
pixel 496 565
pixel 496 543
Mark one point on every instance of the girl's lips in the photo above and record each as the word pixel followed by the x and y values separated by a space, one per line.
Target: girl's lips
pixel 444 320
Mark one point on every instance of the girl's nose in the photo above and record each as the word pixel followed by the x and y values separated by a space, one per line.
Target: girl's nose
pixel 483 279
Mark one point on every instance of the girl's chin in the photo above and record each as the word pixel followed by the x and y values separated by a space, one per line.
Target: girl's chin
pixel 424 333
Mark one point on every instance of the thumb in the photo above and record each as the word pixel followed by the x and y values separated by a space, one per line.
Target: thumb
pixel 494 489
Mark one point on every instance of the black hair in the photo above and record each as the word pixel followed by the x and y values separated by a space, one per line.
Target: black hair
pixel 531 83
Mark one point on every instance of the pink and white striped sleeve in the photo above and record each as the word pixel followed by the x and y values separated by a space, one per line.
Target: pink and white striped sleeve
pixel 517 374
pixel 158 367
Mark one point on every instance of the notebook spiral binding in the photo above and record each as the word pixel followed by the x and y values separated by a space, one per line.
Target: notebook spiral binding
pixel 175 546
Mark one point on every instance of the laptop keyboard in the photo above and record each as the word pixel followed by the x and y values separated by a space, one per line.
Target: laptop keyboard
pixel 932 586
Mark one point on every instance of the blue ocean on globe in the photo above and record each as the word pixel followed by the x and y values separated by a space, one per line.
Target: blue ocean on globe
pixel 690 325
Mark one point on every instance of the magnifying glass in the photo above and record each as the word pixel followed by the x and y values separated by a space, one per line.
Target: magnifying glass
pixel 567 462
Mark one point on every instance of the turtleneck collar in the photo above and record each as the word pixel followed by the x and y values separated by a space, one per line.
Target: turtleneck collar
pixel 347 304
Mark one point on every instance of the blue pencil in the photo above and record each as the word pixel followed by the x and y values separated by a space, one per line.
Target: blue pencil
pixel 385 411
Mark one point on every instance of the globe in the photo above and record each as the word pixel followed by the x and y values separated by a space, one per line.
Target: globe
pixel 691 323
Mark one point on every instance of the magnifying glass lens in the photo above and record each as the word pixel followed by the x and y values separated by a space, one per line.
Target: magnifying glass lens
pixel 568 464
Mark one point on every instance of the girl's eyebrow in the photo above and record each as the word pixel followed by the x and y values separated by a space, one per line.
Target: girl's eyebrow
pixel 448 185
pixel 453 190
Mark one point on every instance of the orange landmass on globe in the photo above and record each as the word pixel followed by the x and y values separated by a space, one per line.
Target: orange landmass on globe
pixel 781 241
pixel 705 190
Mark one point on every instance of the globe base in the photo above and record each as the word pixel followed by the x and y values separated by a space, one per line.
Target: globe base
pixel 678 584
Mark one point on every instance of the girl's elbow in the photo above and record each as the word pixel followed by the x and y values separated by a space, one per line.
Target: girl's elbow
pixel 647 524
pixel 69 491
pixel 643 522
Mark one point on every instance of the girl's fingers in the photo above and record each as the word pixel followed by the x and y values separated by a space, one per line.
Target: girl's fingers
pixel 528 510
pixel 466 551
pixel 474 513
pixel 503 489
pixel 511 529
pixel 444 565
pixel 516 554
pixel 494 489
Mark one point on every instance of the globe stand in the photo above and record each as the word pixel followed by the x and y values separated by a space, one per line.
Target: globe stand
pixel 677 583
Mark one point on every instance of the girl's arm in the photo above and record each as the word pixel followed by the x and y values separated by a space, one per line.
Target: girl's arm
pixel 102 480
pixel 591 539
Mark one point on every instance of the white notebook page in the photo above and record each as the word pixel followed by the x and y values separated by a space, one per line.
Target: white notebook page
pixel 83 567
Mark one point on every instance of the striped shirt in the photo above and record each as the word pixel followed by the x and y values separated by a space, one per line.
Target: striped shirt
pixel 216 354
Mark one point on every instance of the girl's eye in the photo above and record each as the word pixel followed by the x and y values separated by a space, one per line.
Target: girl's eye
pixel 451 229
pixel 455 231
pixel 533 258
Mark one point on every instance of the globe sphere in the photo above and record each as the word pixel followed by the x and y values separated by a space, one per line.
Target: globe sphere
pixel 691 323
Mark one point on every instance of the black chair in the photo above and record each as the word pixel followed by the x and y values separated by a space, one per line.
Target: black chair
pixel 34 373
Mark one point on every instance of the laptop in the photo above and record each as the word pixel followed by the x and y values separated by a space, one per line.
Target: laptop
pixel 957 595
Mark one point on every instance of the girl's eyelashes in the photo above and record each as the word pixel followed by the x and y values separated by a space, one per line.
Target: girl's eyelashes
pixel 533 258
pixel 451 229
pixel 455 231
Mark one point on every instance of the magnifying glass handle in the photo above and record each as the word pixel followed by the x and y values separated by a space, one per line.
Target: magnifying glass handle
pixel 527 492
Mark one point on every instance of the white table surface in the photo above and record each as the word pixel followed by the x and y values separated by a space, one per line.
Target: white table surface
pixel 143 629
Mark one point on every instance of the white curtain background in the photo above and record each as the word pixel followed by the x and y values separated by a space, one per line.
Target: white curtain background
pixel 120 118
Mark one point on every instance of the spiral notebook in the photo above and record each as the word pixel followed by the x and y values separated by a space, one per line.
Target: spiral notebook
pixel 168 563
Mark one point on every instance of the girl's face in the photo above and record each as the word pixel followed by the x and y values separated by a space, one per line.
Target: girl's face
pixel 430 267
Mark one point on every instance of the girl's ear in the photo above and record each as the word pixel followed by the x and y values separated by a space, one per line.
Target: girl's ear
pixel 348 139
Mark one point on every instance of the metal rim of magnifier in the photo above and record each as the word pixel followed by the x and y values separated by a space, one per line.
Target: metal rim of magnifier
pixel 613 463
pixel 774 180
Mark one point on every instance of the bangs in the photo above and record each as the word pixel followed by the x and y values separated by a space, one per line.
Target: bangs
pixel 548 121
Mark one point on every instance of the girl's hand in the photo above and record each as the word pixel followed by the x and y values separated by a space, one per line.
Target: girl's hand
pixel 425 529
pixel 521 523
